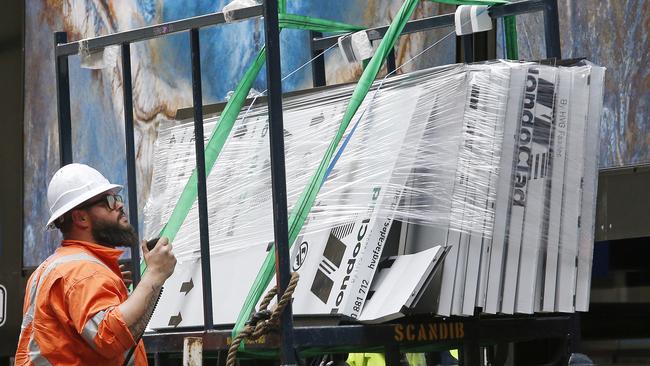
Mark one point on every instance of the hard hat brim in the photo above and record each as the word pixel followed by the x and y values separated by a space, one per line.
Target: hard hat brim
pixel 115 188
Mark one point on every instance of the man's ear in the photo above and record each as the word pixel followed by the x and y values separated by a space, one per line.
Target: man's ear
pixel 80 219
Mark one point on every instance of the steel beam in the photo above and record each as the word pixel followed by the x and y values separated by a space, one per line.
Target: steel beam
pixel 63 102
pixel 467 42
pixel 433 332
pixel 278 178
pixel 157 30
pixel 318 65
pixel 202 195
pixel 552 29
pixel 127 94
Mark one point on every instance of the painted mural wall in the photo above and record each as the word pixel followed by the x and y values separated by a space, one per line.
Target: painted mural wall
pixel 612 33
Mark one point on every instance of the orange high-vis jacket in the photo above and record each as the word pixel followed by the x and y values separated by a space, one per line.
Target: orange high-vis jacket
pixel 71 314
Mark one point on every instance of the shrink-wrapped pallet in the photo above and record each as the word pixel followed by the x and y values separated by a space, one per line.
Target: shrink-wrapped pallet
pixel 487 161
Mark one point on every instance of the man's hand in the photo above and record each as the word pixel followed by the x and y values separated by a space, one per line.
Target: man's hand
pixel 160 260
pixel 126 275
pixel 137 309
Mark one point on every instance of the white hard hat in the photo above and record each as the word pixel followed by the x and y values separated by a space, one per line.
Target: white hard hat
pixel 72 185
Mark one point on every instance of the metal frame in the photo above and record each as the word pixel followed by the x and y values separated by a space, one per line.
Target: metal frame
pixel 421 334
pixel 548 7
pixel 127 92
pixel 202 195
pixel 475 330
pixel 451 332
pixel 278 177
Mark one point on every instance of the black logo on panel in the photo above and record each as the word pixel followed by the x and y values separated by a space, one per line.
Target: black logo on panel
pixel 332 257
pixel 301 256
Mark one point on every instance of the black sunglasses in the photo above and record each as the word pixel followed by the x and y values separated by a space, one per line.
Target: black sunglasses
pixel 110 200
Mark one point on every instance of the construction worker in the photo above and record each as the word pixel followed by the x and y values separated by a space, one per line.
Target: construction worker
pixel 77 310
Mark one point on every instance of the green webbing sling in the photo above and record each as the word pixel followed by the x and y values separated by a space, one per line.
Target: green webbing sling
pixel 306 200
pixel 294 21
pixel 510 28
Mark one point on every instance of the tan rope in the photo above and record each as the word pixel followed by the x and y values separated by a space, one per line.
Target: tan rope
pixel 262 326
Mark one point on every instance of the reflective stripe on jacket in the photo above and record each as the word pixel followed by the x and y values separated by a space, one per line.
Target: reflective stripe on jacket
pixel 71 314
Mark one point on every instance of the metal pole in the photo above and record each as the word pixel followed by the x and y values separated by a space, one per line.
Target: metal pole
pixel 318 65
pixel 392 355
pixel 485 44
pixel 575 336
pixel 552 29
pixel 63 101
pixel 470 354
pixel 492 41
pixel 278 179
pixel 480 51
pixel 200 173
pixel 467 42
pixel 127 93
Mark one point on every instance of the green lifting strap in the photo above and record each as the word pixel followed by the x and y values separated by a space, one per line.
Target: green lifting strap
pixel 315 24
pixel 510 28
pixel 306 200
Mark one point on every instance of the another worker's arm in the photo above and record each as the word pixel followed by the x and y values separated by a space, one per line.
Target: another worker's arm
pixel 137 309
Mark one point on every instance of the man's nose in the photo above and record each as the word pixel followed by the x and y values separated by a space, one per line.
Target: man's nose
pixel 119 206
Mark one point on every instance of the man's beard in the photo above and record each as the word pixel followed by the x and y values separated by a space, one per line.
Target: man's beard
pixel 113 234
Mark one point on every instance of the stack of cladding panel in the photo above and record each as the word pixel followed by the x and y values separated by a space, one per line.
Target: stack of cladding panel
pixel 452 150
pixel 534 253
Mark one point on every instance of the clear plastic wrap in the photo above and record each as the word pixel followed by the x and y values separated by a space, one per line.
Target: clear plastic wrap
pixel 492 156
pixel 542 224
pixel 239 193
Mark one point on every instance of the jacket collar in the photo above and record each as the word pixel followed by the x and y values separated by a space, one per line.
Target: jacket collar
pixel 107 255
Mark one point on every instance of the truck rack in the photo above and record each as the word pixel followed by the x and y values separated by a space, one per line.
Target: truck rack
pixel 421 333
